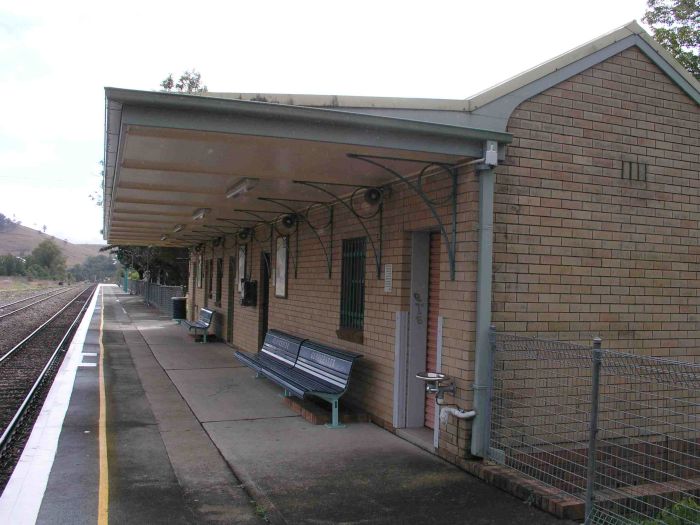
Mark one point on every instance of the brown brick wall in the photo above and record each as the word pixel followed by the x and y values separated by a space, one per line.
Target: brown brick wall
pixel 311 308
pixel 579 251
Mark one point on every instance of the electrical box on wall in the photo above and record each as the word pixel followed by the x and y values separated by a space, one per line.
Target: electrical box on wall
pixel 249 292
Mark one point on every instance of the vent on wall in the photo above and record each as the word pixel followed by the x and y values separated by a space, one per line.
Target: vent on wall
pixel 634 170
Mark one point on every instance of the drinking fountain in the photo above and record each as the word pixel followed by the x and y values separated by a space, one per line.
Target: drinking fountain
pixel 437 383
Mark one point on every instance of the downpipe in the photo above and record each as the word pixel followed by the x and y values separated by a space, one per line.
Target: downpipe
pixel 482 358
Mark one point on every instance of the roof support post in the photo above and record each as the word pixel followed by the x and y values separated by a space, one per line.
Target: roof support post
pixel 482 359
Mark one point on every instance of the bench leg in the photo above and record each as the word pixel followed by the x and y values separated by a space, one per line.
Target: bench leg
pixel 335 420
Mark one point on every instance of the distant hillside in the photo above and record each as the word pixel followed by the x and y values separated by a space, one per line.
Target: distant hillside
pixel 21 240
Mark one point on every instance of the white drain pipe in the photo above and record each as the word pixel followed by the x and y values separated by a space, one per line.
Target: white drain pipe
pixel 460 413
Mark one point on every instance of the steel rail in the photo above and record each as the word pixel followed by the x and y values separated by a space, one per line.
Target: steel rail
pixel 32 304
pixel 41 327
pixel 9 431
pixel 3 306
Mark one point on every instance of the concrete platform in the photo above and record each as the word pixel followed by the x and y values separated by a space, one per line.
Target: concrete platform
pixel 193 437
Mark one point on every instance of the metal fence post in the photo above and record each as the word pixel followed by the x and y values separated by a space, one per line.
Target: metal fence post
pixel 592 439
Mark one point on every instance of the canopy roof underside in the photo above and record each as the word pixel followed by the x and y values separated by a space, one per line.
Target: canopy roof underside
pixel 169 155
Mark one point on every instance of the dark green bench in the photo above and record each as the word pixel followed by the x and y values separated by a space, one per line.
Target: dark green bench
pixel 319 370
pixel 202 324
pixel 279 352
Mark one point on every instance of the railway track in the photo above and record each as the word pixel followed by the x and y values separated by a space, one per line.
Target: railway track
pixel 26 372
pixel 15 326
pixel 16 309
pixel 43 292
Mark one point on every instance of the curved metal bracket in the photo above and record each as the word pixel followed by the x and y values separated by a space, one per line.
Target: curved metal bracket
pixel 360 218
pixel 254 237
pixel 451 170
pixel 328 253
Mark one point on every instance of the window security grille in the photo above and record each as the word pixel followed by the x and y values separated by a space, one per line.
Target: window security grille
pixel 352 291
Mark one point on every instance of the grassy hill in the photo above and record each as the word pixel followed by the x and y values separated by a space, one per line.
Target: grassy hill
pixel 21 240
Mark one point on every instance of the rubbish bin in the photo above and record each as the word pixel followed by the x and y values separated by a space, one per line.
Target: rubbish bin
pixel 179 308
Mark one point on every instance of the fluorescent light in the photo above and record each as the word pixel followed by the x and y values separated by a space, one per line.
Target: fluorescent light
pixel 178 228
pixel 241 187
pixel 200 213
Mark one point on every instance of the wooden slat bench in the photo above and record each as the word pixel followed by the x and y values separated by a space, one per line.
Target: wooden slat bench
pixel 319 370
pixel 202 324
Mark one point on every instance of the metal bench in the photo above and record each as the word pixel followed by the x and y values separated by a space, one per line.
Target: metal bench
pixel 202 324
pixel 279 352
pixel 319 371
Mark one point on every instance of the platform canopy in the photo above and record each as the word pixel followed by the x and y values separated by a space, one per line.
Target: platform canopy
pixel 205 166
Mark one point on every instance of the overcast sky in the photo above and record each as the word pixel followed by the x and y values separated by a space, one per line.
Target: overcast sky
pixel 56 58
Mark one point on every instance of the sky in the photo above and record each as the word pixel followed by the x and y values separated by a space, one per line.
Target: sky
pixel 57 57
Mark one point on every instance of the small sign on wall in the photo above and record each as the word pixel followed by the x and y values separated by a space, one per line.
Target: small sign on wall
pixel 388 277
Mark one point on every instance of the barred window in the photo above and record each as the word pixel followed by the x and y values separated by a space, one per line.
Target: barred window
pixel 352 290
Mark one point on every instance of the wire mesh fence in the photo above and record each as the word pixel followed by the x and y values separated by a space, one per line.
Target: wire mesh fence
pixel 633 450
pixel 157 295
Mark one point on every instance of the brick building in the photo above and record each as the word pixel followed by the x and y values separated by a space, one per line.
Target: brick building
pixel 563 203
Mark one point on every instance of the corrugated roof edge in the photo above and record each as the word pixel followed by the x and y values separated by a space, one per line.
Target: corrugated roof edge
pixel 482 98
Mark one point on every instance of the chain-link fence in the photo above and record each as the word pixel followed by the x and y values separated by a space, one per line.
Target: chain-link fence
pixel 157 295
pixel 631 452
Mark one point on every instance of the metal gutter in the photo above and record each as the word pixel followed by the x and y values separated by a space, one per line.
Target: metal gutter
pixel 265 110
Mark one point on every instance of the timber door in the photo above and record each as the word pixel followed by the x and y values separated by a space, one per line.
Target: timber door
pixel 231 294
pixel 433 313
pixel 264 295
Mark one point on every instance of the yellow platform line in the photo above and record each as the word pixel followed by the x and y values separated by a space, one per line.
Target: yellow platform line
pixel 103 499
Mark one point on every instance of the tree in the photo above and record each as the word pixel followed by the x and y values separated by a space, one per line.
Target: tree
pixel 97 268
pixel 675 24
pixel 11 265
pixel 46 261
pixel 7 224
pixel 98 195
pixel 190 82
pixel 158 264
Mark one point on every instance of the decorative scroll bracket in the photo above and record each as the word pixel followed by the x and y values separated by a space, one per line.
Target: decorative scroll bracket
pixel 451 170
pixel 379 213
pixel 303 214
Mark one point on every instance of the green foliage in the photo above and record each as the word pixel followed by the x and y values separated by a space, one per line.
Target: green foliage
pixel 12 265
pixel 36 271
pixel 683 512
pixel 157 264
pixel 675 24
pixel 97 268
pixel 7 224
pixel 46 262
pixel 190 82
pixel 97 196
